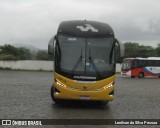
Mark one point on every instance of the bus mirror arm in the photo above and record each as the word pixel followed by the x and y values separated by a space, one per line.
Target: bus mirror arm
pixel 51 45
pixel 111 54
pixel 120 50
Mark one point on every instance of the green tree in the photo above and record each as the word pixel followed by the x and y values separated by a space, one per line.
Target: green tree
pixel 9 52
pixel 131 49
pixel 43 55
pixel 9 49
pixel 136 50
pixel 24 54
pixel 158 50
pixel 146 51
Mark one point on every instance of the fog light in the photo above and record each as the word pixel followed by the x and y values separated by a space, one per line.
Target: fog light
pixel 56 93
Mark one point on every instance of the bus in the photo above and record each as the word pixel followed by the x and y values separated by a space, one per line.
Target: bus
pixel 141 67
pixel 84 61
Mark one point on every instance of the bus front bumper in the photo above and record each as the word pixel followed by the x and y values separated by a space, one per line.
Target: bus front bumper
pixel 105 94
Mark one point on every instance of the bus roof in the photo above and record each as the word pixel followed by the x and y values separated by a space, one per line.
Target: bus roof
pixel 129 58
pixel 154 58
pixel 84 28
pixel 140 58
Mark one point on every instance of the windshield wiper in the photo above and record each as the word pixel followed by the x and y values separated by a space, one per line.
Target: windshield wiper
pixel 111 54
pixel 58 56
pixel 77 63
pixel 91 60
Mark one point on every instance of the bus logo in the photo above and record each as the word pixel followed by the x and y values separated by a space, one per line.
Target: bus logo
pixel 84 87
pixel 6 122
pixel 87 28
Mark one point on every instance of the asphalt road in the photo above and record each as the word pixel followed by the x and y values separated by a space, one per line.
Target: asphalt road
pixel 26 95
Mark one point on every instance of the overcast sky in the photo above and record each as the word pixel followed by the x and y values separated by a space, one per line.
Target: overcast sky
pixel 36 21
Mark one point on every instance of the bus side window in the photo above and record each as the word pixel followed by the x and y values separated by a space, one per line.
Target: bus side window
pixel 134 64
pixel 142 63
pixel 149 63
pixel 157 63
pixel 138 63
pixel 153 63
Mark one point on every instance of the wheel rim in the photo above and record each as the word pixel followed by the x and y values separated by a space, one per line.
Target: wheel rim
pixel 141 75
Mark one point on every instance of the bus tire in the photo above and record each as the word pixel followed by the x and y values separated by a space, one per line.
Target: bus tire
pixel 52 95
pixel 132 76
pixel 141 75
pixel 103 102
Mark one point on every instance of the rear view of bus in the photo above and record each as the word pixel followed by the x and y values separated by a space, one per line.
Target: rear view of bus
pixel 84 61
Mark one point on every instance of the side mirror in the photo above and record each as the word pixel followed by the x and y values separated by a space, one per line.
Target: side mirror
pixel 119 50
pixel 51 45
pixel 121 47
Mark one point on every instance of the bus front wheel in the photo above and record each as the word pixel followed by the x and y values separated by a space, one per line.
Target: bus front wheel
pixel 52 95
pixel 141 75
pixel 103 103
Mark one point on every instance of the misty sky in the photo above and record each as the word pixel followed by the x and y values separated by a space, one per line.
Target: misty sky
pixel 36 21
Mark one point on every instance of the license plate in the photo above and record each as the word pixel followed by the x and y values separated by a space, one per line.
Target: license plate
pixel 84 97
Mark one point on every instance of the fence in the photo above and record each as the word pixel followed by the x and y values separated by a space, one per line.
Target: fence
pixel 34 65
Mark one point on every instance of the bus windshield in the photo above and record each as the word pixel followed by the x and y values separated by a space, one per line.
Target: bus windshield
pixel 84 56
pixel 126 65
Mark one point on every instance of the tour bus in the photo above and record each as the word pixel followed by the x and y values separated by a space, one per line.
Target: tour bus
pixel 141 67
pixel 84 61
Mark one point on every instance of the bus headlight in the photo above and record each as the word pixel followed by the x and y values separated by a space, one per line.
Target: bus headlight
pixel 60 84
pixel 109 86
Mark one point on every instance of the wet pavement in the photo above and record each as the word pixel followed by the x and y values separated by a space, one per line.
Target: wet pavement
pixel 26 95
